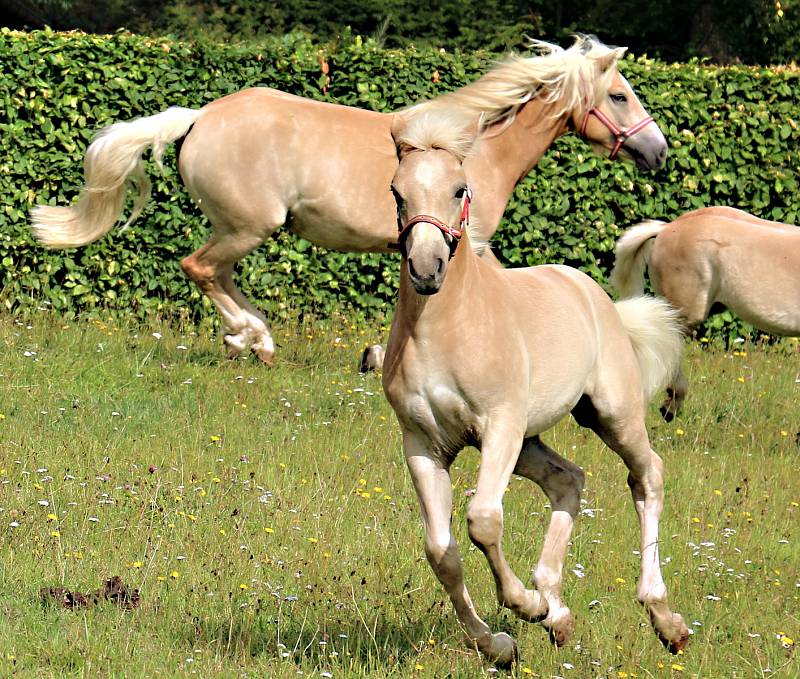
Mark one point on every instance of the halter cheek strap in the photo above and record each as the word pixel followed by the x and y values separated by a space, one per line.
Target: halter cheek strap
pixel 621 135
pixel 453 233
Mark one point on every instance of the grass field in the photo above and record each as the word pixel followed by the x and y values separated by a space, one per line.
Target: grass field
pixel 267 517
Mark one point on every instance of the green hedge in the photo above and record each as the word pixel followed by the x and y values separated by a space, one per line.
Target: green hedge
pixel 732 142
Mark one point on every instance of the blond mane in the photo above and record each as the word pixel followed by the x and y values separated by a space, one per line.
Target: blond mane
pixel 567 78
pixel 439 128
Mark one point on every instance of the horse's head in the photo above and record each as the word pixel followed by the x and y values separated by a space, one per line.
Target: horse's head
pixel 430 187
pixel 612 119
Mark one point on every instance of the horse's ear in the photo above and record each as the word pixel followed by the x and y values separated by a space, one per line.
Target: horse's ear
pixel 610 59
pixel 399 124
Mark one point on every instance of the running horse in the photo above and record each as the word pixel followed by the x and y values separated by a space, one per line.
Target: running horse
pixel 254 160
pixel 491 357
pixel 710 258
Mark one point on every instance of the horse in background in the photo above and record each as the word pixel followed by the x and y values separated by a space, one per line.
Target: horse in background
pixel 260 158
pixel 710 258
pixel 491 357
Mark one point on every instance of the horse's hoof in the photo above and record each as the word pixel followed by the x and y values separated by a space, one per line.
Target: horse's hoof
pixel 265 356
pixel 681 641
pixel 561 632
pixel 666 413
pixel 502 650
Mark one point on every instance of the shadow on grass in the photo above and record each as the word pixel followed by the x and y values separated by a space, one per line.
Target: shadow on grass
pixel 303 640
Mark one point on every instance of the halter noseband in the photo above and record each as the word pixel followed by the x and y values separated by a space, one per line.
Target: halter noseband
pixel 453 233
pixel 621 135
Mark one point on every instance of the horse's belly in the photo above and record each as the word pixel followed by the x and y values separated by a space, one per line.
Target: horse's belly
pixel 768 298
pixel 547 407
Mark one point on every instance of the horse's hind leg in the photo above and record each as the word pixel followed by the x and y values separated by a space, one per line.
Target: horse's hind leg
pixel 691 293
pixel 499 454
pixel 434 491
pixel 677 390
pixel 211 268
pixel 261 343
pixel 562 482
pixel 624 432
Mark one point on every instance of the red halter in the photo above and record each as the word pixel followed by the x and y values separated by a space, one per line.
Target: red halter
pixel 455 234
pixel 621 135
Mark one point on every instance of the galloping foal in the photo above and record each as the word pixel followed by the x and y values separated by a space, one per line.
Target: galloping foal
pixel 259 158
pixel 715 256
pixel 484 356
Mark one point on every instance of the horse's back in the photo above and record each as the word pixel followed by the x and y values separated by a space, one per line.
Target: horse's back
pixel 568 320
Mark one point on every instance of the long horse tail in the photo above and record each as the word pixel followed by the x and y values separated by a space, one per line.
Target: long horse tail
pixel 632 253
pixel 656 334
pixel 113 164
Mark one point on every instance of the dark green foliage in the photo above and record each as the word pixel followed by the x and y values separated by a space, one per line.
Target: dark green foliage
pixel 733 141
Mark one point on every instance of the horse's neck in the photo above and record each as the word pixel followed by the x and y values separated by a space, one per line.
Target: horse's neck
pixel 505 155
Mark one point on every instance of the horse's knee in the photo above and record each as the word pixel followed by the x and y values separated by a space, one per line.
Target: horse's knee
pixel 437 549
pixel 485 524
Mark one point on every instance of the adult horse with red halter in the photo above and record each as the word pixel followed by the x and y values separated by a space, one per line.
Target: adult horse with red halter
pixel 712 257
pixel 259 158
pixel 491 357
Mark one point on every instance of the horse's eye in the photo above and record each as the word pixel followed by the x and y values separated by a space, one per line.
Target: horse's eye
pixel 460 192
pixel 618 98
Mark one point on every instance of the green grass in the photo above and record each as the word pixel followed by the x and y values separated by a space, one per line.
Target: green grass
pixel 267 517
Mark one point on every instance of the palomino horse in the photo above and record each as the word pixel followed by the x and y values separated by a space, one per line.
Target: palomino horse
pixel 715 256
pixel 256 159
pixel 491 357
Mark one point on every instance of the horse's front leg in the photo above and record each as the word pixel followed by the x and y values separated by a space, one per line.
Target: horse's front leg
pixel 562 482
pixel 431 478
pixel 500 450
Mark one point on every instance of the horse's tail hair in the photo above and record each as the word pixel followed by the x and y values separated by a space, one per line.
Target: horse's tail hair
pixel 632 253
pixel 656 334
pixel 113 164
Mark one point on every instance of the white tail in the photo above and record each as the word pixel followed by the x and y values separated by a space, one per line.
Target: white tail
pixel 632 253
pixel 113 164
pixel 656 333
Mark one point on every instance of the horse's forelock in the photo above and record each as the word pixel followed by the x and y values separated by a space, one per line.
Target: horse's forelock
pixel 437 129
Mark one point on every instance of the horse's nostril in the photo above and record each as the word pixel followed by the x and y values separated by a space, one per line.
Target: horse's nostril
pixel 411 269
pixel 439 266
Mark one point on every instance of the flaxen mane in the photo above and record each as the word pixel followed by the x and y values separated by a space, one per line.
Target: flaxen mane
pixel 561 76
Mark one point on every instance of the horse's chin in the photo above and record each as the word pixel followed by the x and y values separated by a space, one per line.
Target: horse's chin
pixel 426 287
pixel 426 284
